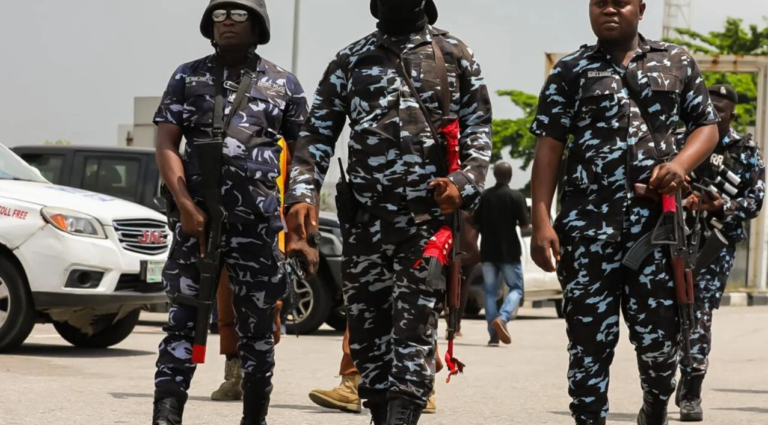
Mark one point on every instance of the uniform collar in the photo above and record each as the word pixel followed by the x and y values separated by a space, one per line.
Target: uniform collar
pixel 261 67
pixel 732 137
pixel 645 45
pixel 416 39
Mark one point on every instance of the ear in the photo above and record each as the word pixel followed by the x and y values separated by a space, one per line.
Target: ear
pixel 642 9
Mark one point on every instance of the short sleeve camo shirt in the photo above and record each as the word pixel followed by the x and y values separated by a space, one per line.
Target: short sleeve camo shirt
pixel 586 104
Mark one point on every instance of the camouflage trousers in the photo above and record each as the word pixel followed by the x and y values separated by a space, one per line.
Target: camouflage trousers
pixel 392 312
pixel 596 288
pixel 255 272
pixel 711 285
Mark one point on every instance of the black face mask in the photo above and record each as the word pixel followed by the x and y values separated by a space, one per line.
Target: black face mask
pixel 400 17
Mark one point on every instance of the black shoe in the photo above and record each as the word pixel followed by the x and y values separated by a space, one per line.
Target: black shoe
pixel 401 411
pixel 255 404
pixel 690 399
pixel 378 410
pixel 168 411
pixel 654 412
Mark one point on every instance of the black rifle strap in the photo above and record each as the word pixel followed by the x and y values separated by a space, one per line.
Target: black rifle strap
pixel 396 59
pixel 219 125
pixel 442 73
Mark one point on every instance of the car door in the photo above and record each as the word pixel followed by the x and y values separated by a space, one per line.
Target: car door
pixel 117 175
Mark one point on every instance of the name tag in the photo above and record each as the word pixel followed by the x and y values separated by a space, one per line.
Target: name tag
pixel 599 74
pixel 208 80
pixel 272 87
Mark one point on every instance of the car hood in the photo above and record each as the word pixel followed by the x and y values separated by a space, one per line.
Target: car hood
pixel 105 208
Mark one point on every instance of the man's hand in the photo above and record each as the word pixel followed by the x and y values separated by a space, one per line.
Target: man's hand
pixel 446 195
pixel 301 220
pixel 193 221
pixel 712 202
pixel 668 178
pixel 544 240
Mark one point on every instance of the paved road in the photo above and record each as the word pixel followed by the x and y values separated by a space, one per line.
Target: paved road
pixel 49 382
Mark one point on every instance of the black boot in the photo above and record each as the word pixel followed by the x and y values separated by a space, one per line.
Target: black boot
pixel 378 408
pixel 403 412
pixel 168 411
pixel 255 403
pixel 654 412
pixel 582 421
pixel 690 401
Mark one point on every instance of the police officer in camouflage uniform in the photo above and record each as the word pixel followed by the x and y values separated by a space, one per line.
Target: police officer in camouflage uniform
pixel 591 107
pixel 275 105
pixel 740 156
pixel 401 196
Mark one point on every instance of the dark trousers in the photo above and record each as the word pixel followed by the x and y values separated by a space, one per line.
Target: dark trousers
pixel 596 288
pixel 391 310
pixel 252 261
pixel 709 292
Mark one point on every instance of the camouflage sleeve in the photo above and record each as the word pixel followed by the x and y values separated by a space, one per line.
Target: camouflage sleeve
pixel 171 109
pixel 317 139
pixel 748 206
pixel 697 109
pixel 296 111
pixel 556 106
pixel 475 123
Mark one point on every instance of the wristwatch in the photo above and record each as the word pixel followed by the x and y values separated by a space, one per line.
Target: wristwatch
pixel 313 239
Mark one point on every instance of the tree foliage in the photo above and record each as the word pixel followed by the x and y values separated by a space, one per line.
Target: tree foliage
pixel 58 142
pixel 734 39
pixel 513 134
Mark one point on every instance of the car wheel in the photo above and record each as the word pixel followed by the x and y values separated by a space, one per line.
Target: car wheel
pixel 17 311
pixel 337 319
pixel 106 333
pixel 559 309
pixel 313 307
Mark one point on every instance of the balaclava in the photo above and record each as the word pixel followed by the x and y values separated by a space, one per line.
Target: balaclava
pixel 403 17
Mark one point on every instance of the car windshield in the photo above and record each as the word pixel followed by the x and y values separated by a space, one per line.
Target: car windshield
pixel 14 168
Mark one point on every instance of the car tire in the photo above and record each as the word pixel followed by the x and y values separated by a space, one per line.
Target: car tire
pixel 106 335
pixel 315 306
pixel 16 306
pixel 559 309
pixel 337 319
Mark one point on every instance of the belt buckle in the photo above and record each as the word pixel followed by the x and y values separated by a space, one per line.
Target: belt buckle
pixel 421 218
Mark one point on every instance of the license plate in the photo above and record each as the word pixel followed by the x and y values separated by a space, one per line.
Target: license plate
pixel 154 271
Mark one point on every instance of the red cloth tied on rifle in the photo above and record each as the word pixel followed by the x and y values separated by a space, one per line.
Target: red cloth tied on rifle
pixel 451 133
pixel 439 246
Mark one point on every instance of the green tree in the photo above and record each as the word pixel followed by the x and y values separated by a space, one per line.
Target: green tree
pixel 58 142
pixel 734 39
pixel 513 134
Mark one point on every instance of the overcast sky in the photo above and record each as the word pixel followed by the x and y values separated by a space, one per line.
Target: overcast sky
pixel 71 68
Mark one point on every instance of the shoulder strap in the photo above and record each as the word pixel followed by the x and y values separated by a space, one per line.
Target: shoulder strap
pixel 219 125
pixel 442 73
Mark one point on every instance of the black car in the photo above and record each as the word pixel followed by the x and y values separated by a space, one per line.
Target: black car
pixel 132 174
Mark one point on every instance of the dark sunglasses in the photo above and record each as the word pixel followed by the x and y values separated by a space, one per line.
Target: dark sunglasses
pixel 236 15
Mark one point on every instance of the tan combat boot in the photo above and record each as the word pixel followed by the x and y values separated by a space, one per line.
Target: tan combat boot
pixel 231 389
pixel 344 397
pixel 431 405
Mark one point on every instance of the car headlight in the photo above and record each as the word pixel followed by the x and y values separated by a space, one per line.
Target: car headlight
pixel 74 222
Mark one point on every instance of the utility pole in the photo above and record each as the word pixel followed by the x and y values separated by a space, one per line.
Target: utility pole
pixel 296 19
pixel 677 14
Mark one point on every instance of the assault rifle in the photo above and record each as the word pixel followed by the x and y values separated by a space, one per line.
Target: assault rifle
pixel 210 265
pixel 672 231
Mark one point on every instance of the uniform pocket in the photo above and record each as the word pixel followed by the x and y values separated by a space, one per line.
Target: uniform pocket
pixel 198 105
pixel 262 179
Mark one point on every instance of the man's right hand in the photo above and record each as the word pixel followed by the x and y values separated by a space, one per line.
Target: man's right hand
pixel 301 220
pixel 193 221
pixel 544 240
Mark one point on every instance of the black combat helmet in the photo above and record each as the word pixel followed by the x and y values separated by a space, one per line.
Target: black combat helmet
pixel 258 8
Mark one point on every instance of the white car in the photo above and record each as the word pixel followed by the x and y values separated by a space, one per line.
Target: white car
pixel 538 285
pixel 83 261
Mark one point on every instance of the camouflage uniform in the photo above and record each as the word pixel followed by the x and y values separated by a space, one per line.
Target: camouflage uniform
pixel 743 158
pixel 601 219
pixel 392 159
pixel 276 106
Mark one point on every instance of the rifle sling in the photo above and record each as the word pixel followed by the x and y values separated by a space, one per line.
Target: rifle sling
pixel 445 92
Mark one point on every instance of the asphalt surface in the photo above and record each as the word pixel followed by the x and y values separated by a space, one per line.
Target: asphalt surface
pixel 49 382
